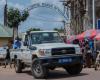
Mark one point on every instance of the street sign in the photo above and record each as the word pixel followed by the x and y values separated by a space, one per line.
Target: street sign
pixel 98 24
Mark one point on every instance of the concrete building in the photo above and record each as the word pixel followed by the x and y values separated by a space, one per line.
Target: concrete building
pixel 5 35
pixel 82 14
pixel 88 19
pixel 78 10
pixel 97 2
pixel 88 16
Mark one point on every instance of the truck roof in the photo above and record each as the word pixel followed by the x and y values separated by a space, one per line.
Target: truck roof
pixel 20 34
pixel 41 31
pixel 38 31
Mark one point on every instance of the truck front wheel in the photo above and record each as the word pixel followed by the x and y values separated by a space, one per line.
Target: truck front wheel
pixel 18 66
pixel 38 70
pixel 74 69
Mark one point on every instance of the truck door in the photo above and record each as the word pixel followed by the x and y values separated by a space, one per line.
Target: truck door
pixel 26 52
pixel 27 55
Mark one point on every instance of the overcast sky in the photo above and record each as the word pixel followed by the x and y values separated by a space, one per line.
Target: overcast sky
pixel 44 18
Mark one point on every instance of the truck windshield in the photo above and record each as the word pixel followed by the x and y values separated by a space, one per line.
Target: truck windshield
pixel 45 37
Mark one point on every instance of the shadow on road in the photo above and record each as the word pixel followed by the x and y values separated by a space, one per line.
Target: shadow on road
pixel 27 72
pixel 62 74
pixel 57 74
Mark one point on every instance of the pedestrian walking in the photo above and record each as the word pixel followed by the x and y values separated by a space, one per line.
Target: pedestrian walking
pixel 91 45
pixel 16 45
pixel 88 56
pixel 97 62
pixel 8 59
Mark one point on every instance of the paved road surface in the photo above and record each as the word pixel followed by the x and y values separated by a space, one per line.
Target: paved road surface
pixel 58 74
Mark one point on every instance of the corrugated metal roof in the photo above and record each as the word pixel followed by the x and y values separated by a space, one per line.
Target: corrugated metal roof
pixel 5 31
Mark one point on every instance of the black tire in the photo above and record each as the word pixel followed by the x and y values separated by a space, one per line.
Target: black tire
pixel 18 66
pixel 38 70
pixel 74 69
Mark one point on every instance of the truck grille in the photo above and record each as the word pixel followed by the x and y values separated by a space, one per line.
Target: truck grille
pixel 63 51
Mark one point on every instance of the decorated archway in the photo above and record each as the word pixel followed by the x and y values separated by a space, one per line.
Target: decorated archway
pixel 51 6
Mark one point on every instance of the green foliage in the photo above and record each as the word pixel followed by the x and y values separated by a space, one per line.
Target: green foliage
pixel 61 30
pixel 35 29
pixel 15 17
pixel 24 15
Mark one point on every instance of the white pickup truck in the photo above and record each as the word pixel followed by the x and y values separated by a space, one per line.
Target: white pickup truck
pixel 44 50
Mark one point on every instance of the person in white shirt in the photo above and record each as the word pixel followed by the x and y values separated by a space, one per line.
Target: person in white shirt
pixel 97 62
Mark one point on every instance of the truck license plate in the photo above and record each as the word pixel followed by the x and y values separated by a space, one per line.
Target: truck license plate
pixel 65 60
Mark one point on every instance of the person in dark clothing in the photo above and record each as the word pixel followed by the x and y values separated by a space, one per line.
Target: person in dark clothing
pixel 7 58
pixel 88 57
pixel 76 41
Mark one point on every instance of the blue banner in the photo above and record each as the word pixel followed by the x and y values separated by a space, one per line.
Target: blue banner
pixel 98 24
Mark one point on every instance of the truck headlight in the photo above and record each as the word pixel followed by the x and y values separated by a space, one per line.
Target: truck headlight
pixel 78 50
pixel 44 52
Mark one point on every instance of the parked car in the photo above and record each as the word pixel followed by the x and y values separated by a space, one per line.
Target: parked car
pixel 2 53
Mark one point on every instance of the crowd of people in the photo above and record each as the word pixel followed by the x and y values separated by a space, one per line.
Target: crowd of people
pixel 89 51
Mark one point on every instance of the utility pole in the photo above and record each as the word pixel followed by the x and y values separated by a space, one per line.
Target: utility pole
pixel 5 14
pixel 93 6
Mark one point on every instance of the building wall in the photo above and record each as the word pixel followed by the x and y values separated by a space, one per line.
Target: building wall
pixel 97 11
pixel 3 41
pixel 88 16
pixel 77 15
pixel 90 13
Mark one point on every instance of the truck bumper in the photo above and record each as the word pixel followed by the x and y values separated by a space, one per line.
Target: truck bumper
pixel 62 60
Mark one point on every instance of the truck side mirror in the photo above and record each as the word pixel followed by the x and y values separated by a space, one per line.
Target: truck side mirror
pixel 25 43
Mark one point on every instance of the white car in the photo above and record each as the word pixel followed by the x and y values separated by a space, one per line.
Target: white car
pixel 2 53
